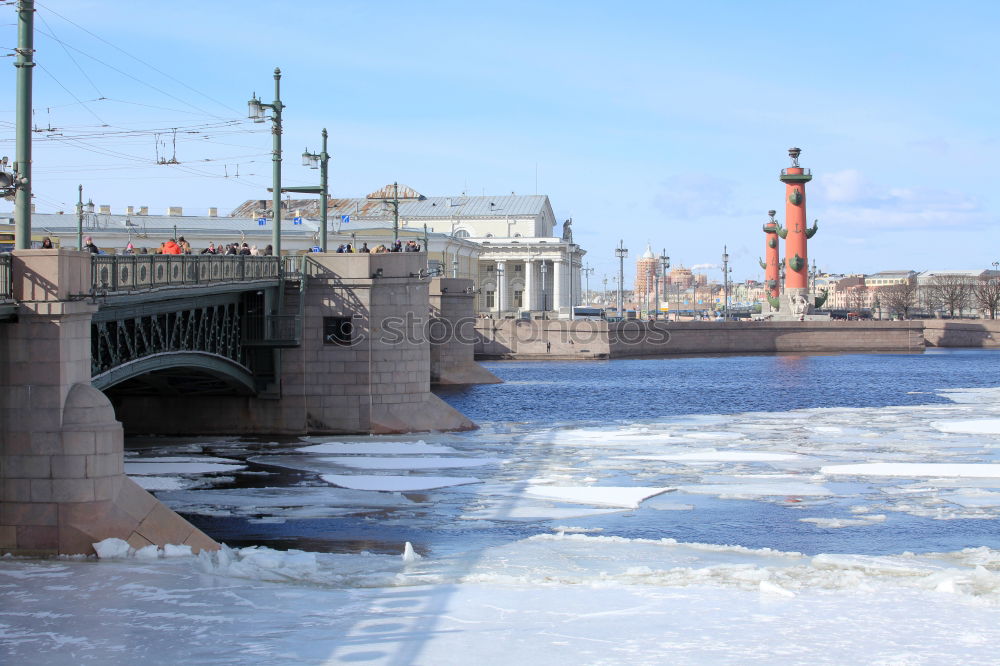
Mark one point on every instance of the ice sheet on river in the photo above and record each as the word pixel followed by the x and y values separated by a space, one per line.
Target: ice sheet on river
pixel 568 598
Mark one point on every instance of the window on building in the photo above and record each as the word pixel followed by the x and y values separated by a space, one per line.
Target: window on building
pixel 518 299
pixel 517 268
pixel 337 330
pixel 490 299
pixel 489 268
pixel 489 235
pixel 461 233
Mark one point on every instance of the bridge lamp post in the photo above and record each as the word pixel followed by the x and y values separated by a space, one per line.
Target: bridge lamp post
pixel 320 161
pixel 454 267
pixel 256 113
pixel 621 253
pixel 586 276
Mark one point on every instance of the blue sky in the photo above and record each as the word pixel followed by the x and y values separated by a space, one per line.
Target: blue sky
pixel 663 122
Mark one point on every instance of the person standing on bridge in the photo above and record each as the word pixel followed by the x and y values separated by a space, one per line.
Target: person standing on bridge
pixel 88 245
pixel 171 247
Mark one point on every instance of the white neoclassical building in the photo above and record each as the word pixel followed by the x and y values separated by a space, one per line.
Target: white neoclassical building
pixel 522 262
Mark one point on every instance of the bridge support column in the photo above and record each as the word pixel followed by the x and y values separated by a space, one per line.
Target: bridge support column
pixel 452 333
pixel 62 486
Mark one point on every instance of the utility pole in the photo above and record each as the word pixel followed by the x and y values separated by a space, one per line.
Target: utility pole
pixel 621 253
pixel 22 155
pixel 587 270
pixel 256 113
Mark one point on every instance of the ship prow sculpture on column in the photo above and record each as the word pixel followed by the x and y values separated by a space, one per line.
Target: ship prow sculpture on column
pixel 794 302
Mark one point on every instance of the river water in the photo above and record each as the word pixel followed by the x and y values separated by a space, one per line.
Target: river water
pixel 828 509
pixel 739 441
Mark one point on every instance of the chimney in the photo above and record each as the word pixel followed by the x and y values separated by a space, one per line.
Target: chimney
pixel 143 210
pixel 130 210
pixel 213 212
pixel 175 211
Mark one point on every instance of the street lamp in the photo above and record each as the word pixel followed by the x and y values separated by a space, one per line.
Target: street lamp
pixel 545 305
pixel 604 296
pixel 320 161
pixel 586 274
pixel 256 113
pixel 454 267
pixel 500 272
pixel 664 265
pixel 79 220
pixel 621 253
pixel 725 282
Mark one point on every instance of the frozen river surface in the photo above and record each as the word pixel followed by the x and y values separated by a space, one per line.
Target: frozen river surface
pixel 712 510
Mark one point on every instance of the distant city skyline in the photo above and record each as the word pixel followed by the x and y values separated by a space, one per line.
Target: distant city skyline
pixel 665 123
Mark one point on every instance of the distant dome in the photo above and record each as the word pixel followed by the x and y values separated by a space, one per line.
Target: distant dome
pixel 649 252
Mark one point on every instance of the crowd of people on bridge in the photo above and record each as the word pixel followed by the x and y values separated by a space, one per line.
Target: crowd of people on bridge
pixel 398 246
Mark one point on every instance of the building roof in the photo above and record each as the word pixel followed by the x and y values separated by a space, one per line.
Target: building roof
pixel 511 205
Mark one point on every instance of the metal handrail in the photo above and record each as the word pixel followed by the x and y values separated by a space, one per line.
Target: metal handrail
pixel 800 171
pixel 148 272
pixel 6 278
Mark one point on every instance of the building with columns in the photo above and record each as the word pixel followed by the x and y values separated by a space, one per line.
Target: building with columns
pixel 520 262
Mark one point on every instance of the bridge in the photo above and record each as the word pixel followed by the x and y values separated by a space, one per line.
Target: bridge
pixel 324 343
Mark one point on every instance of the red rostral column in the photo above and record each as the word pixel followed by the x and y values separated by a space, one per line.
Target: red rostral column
pixel 796 256
pixel 771 258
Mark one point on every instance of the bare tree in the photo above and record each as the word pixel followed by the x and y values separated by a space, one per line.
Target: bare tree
pixel 949 293
pixel 900 297
pixel 986 293
pixel 857 298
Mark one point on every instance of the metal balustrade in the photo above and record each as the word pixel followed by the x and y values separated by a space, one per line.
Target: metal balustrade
pixel 137 273
pixel 6 279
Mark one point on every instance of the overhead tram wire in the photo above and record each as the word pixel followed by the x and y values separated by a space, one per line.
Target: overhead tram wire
pixel 127 75
pixel 100 95
pixel 89 110
pixel 139 60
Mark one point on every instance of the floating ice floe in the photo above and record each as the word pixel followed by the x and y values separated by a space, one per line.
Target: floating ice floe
pixel 834 523
pixel 315 502
pixel 180 465
pixel 429 462
pixel 396 483
pixel 373 448
pixel 969 427
pixel 713 455
pixel 616 496
pixel 911 470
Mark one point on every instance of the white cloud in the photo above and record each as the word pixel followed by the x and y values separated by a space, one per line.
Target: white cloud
pixel 846 198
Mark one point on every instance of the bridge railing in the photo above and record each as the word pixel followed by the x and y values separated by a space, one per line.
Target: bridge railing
pixel 6 278
pixel 141 272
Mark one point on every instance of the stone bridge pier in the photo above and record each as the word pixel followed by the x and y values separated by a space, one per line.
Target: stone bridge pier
pixel 61 449
pixel 453 335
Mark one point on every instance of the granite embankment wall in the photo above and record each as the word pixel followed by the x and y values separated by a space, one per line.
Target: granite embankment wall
pixel 951 333
pixel 510 339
